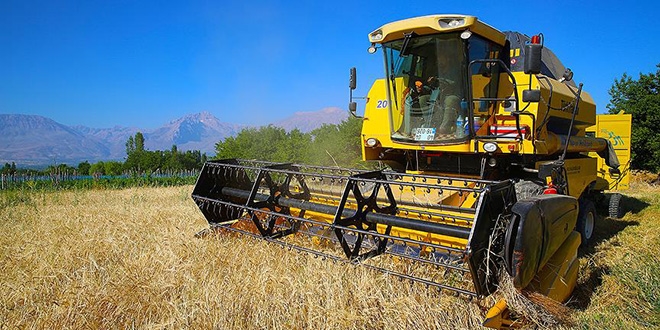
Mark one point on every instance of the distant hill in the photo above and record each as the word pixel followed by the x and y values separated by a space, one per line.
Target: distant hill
pixel 198 131
pixel 307 121
pixel 114 138
pixel 31 140
pixel 36 140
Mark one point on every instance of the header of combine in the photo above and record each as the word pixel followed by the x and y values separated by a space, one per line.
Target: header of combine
pixel 437 221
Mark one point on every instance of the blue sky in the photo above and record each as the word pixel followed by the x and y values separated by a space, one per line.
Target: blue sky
pixel 143 63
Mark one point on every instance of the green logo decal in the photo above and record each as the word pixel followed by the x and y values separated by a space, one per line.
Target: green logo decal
pixel 614 138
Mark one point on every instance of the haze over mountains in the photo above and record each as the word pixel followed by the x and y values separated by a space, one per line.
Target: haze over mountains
pixel 31 140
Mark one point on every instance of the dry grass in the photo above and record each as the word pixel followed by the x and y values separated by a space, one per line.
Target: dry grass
pixel 128 259
pixel 620 276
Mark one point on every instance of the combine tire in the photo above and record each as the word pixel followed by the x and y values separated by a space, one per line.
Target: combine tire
pixel 615 208
pixel 527 189
pixel 586 220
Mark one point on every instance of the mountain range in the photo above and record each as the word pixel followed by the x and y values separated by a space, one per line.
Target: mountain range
pixel 31 140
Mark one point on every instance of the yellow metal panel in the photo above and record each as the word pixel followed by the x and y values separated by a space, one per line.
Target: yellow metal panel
pixel 581 172
pixel 376 123
pixel 617 129
pixel 563 102
pixel 558 277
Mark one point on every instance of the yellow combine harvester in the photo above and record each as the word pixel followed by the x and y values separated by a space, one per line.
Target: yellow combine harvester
pixel 486 136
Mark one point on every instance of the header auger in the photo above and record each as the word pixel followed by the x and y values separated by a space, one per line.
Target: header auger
pixel 493 169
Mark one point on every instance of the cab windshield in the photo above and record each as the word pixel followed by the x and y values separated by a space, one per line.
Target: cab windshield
pixel 427 87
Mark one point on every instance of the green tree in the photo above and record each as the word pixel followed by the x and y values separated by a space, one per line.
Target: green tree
pixel 338 145
pixel 97 169
pixel 333 145
pixel 641 98
pixel 139 142
pixel 6 169
pixel 113 168
pixel 135 153
pixel 192 159
pixel 83 168
pixel 295 148
pixel 130 145
pixel 173 160
pixel 264 143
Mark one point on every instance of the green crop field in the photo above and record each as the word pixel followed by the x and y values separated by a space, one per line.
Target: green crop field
pixel 128 258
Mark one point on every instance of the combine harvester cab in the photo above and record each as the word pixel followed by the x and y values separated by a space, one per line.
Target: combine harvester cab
pixel 487 138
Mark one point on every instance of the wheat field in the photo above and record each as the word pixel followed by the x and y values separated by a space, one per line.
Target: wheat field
pixel 88 259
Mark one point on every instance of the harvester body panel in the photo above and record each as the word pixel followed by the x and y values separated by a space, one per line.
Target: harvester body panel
pixel 616 128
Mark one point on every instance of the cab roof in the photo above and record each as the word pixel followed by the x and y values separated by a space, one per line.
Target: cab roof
pixel 433 24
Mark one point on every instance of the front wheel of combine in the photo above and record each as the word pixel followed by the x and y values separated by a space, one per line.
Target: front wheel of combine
pixel 586 220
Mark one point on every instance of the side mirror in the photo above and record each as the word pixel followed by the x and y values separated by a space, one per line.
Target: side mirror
pixel 531 95
pixel 533 52
pixel 533 58
pixel 532 65
pixel 352 83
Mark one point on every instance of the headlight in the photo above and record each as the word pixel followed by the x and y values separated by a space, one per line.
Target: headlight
pixel 448 23
pixel 490 147
pixel 376 35
pixel 371 142
pixel 492 162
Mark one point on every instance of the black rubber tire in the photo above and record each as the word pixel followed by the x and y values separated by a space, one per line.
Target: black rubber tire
pixel 527 189
pixel 615 208
pixel 586 220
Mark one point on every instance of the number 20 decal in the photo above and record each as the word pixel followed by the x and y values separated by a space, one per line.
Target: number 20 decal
pixel 381 104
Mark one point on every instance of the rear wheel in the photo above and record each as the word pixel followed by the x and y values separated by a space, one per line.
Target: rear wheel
pixel 586 220
pixel 614 206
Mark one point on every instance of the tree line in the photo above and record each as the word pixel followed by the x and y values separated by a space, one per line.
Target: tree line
pixel 329 145
pixel 641 98
pixel 139 161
